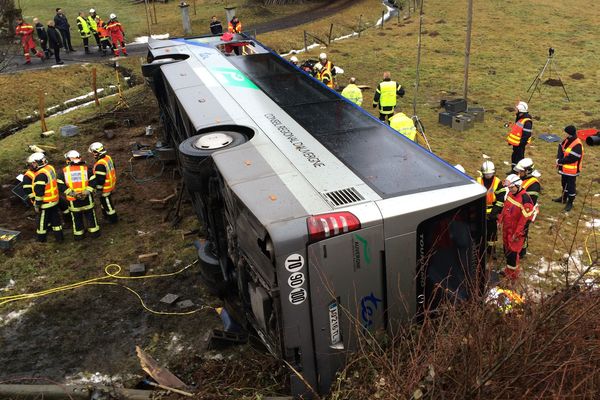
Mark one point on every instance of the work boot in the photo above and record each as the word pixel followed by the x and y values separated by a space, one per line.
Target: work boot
pixel 560 199
pixel 569 205
pixel 523 252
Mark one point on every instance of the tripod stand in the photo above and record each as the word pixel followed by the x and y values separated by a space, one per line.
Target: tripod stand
pixel 538 79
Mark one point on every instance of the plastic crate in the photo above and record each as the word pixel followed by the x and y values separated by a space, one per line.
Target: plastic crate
pixel 8 238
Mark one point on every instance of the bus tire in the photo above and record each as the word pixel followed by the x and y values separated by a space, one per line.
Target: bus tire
pixel 195 155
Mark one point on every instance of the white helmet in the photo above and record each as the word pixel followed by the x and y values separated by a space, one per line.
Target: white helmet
pixel 513 180
pixel 96 147
pixel 460 168
pixel 112 16
pixel 524 165
pixel 294 59
pixel 322 56
pixel 522 107
pixel 72 155
pixel 92 11
pixel 488 168
pixel 37 157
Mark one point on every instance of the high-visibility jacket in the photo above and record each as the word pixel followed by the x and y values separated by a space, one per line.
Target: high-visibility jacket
pixel 353 93
pixel 92 23
pixel 102 31
pixel 533 187
pixel 28 178
pixel 115 29
pixel 494 195
pixel 514 136
pixel 404 125
pixel 84 28
pixel 105 168
pixel 76 179
pixel 49 198
pixel 570 161
pixel 325 74
pixel 385 96
pixel 237 28
pixel 25 31
pixel 507 299
pixel 517 211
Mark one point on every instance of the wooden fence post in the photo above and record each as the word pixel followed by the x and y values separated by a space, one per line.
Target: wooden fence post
pixel 95 87
pixel 330 33
pixel 305 46
pixel 382 15
pixel 359 25
pixel 42 111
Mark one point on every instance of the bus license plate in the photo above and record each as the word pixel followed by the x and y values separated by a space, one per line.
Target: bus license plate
pixel 334 323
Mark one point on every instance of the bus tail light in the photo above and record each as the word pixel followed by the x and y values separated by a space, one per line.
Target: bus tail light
pixel 325 226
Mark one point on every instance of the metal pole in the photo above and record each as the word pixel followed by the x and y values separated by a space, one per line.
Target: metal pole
pixel 185 17
pixel 418 60
pixel 468 48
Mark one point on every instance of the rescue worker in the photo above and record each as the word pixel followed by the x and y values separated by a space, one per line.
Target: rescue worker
pixel 353 92
pixel 103 35
pixel 569 159
pixel 494 201
pixel 106 180
pixel 43 36
pixel 63 26
pixel 505 299
pixel 29 177
pixel 405 125
pixel 520 134
pixel 385 96
pixel 517 210
pixel 78 186
pixel 234 26
pixel 117 35
pixel 91 20
pixel 294 60
pixel 532 186
pixel 84 31
pixel 325 70
pixel 25 32
pixel 45 190
pixel 215 26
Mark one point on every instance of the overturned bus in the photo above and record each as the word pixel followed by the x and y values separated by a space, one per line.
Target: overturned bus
pixel 323 221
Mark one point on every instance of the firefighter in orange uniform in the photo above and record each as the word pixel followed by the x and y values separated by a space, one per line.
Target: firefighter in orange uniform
pixel 45 190
pixel 117 35
pixel 494 199
pixel 325 70
pixel 234 26
pixel 106 180
pixel 25 31
pixel 520 134
pixel 103 35
pixel 29 177
pixel 517 210
pixel 569 160
pixel 78 186
pixel 526 171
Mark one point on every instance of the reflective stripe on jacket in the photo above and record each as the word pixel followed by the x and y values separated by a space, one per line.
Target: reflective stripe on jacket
pixel 28 179
pixel 574 168
pixel 234 29
pixel 84 28
pixel 388 94
pixel 514 136
pixel 527 183
pixel 325 74
pixel 50 197
pixel 92 23
pixel 405 125
pixel 353 93
pixel 110 179
pixel 76 179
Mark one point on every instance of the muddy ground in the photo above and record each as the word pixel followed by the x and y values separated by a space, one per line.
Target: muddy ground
pixel 94 330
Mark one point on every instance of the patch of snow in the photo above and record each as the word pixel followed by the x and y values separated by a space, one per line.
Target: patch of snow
pixel 68 110
pixel 174 346
pixel 144 39
pixel 13 315
pixel 82 378
pixel 10 285
pixel 391 11
pixel 595 223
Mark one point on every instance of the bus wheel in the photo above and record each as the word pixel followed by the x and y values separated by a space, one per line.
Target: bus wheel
pixel 195 155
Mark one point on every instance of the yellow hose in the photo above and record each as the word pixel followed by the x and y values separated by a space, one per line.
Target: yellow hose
pixel 102 281
pixel 585 244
